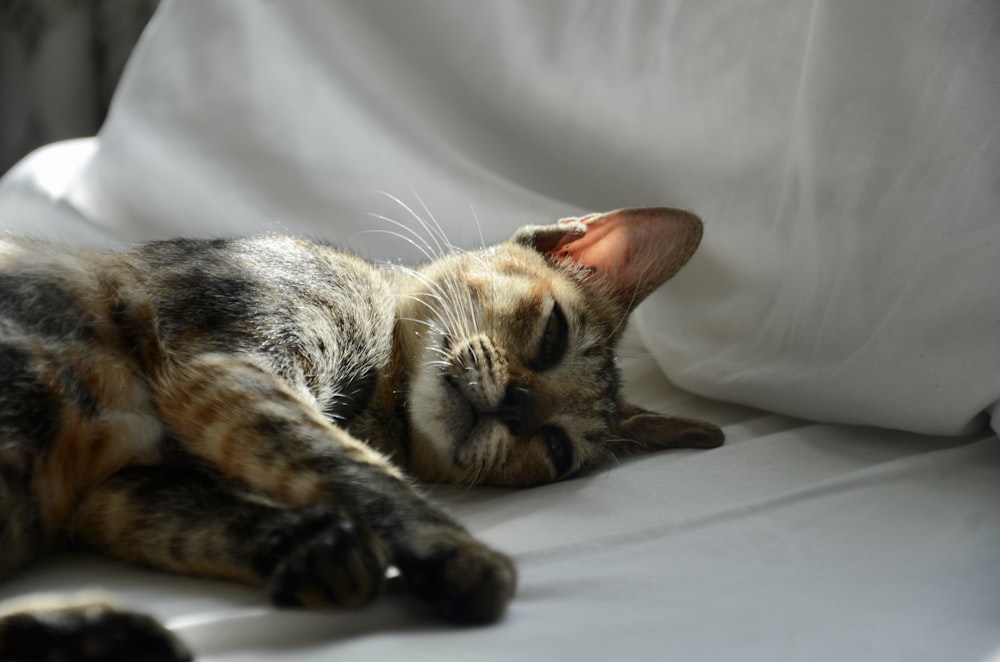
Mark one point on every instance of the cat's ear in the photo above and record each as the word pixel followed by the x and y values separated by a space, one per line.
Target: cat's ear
pixel 633 251
pixel 642 431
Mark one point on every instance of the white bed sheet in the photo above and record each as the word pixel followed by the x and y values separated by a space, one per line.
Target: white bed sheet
pixel 794 541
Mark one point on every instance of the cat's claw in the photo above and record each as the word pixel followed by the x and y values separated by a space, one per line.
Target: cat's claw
pixel 462 580
pixel 323 558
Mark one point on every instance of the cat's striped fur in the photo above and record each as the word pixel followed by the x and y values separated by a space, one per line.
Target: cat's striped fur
pixel 251 408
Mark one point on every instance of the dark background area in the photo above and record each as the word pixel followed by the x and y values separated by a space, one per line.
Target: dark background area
pixel 60 61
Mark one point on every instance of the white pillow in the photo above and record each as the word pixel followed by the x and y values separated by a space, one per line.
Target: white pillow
pixel 844 157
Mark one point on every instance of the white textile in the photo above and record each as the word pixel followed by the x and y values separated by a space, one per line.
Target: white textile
pixel 844 155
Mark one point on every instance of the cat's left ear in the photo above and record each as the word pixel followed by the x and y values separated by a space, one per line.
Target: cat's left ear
pixel 643 431
pixel 633 251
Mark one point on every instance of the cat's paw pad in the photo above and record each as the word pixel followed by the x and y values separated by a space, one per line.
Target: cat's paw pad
pixel 88 633
pixel 461 579
pixel 323 558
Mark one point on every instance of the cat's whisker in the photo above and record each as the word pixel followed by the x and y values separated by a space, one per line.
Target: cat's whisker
pixel 422 299
pixel 472 309
pixel 424 247
pixel 433 292
pixel 490 296
pixel 479 227
pixel 454 312
pixel 426 304
pixel 440 230
pixel 443 360
pixel 625 354
pixel 443 294
pixel 420 321
pixel 441 252
pixel 440 351
pixel 621 441
pixel 469 478
pixel 472 476
pixel 462 311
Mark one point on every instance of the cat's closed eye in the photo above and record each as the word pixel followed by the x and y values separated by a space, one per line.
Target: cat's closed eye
pixel 558 447
pixel 554 340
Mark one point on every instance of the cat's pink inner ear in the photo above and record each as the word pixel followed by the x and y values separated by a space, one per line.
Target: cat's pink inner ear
pixel 633 250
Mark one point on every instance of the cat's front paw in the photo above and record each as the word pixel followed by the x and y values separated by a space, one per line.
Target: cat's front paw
pixel 87 633
pixel 462 579
pixel 320 557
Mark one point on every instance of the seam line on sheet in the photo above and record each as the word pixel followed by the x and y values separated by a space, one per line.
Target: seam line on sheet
pixel 880 474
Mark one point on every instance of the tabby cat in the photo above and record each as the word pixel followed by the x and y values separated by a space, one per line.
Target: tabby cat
pixel 246 409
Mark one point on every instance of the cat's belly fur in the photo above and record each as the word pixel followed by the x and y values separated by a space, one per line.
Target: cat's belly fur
pixel 71 413
pixel 122 429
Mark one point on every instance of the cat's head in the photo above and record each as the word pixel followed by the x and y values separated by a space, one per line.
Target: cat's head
pixel 509 351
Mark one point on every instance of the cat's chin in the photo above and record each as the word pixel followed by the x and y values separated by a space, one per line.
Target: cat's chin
pixel 441 416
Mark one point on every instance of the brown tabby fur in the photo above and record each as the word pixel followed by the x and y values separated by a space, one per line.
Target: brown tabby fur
pixel 246 409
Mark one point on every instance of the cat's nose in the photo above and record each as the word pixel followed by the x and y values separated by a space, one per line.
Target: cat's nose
pixel 517 411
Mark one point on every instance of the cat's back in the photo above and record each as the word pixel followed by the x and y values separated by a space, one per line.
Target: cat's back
pixel 321 317
pixel 245 290
pixel 47 289
pixel 312 309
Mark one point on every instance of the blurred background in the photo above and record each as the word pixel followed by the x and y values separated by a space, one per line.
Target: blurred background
pixel 59 63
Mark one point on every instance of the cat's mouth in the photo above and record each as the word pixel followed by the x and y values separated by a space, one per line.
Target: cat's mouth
pixel 450 412
pixel 476 437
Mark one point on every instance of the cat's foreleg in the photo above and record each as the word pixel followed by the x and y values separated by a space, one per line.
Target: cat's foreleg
pixel 195 522
pixel 253 428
